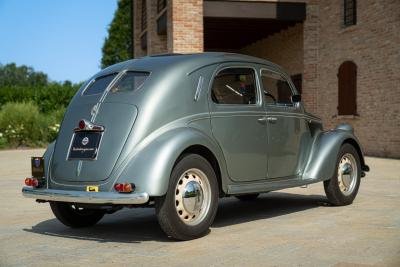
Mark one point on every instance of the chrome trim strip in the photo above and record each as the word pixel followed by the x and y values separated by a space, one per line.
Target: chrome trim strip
pixel 199 87
pixel 85 197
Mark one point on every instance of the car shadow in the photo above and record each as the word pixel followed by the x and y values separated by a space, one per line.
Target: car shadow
pixel 138 225
pixel 274 204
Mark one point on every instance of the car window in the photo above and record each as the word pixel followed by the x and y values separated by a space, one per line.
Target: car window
pixel 276 88
pixel 234 86
pixel 131 81
pixel 99 85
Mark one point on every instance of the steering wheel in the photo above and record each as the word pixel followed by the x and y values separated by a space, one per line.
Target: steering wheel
pixel 271 96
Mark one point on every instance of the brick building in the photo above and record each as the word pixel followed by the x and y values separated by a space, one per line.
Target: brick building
pixel 344 55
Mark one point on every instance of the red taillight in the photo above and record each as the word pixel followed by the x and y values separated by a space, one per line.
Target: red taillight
pixel 82 124
pixel 28 181
pixel 32 182
pixel 119 187
pixel 124 188
pixel 127 188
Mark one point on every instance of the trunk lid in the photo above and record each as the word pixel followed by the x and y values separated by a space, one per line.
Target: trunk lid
pixel 117 120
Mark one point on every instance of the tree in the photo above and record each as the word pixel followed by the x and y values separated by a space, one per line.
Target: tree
pixel 118 44
pixel 12 75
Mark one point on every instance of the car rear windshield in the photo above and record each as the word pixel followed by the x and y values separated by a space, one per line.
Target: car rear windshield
pixel 99 85
pixel 131 81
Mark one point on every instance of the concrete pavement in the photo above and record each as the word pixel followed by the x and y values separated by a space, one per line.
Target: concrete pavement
pixel 294 227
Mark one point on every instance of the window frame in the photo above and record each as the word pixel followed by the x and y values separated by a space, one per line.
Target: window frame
pixel 258 101
pixel 288 80
pixel 353 15
pixel 121 75
pixel 93 80
pixel 143 15
pixel 161 8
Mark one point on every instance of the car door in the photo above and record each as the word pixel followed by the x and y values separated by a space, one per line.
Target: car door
pixel 287 129
pixel 238 121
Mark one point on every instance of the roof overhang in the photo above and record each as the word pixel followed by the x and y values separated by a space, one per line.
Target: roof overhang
pixel 230 25
pixel 255 10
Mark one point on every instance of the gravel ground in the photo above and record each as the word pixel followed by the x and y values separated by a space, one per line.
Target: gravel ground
pixel 294 227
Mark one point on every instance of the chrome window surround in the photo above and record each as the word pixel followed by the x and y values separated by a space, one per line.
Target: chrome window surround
pixel 288 80
pixel 256 78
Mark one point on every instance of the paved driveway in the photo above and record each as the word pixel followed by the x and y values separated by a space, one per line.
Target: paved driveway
pixel 294 227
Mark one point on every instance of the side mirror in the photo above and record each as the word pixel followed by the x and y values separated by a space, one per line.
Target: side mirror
pixel 296 98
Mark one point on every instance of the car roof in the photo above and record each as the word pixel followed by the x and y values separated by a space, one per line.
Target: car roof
pixel 189 62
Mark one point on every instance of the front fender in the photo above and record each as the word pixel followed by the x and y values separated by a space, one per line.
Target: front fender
pixel 323 157
pixel 150 168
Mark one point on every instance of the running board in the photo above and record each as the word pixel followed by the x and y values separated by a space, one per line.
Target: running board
pixel 268 185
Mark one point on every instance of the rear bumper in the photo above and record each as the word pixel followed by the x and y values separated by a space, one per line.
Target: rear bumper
pixel 85 197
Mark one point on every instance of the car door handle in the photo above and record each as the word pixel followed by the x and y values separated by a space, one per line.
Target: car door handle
pixel 272 119
pixel 262 120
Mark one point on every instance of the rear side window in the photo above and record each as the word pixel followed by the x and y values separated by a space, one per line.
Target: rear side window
pixel 277 89
pixel 131 81
pixel 234 86
pixel 99 85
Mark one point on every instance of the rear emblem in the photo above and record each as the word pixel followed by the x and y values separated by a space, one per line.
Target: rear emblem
pixel 85 141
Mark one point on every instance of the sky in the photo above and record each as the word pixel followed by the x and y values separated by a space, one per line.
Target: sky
pixel 62 38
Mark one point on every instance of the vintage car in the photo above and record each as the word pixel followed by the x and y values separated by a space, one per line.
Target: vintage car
pixel 178 132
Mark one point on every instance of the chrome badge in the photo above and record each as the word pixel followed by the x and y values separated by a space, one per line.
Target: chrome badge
pixel 85 141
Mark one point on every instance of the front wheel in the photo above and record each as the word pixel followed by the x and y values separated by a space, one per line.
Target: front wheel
pixel 74 216
pixel 189 207
pixel 342 188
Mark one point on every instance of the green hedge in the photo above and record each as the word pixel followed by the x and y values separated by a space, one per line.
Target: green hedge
pixel 22 124
pixel 48 98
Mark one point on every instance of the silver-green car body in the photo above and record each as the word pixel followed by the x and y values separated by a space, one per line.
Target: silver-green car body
pixel 256 147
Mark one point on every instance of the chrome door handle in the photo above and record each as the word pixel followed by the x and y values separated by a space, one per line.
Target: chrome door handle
pixel 272 119
pixel 262 120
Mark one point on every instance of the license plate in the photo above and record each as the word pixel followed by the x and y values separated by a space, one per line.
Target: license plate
pixel 85 145
pixel 92 188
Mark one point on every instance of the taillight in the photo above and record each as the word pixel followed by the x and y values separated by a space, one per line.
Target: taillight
pixel 119 187
pixel 124 188
pixel 32 182
pixel 82 124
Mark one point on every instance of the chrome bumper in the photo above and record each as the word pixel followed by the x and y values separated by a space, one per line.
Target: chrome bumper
pixel 85 197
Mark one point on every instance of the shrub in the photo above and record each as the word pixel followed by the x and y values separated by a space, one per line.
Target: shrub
pixel 48 98
pixel 21 124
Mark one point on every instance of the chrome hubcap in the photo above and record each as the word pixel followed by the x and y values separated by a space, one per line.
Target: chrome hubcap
pixel 192 196
pixel 347 174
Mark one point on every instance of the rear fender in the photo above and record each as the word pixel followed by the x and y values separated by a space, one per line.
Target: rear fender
pixel 323 157
pixel 47 158
pixel 150 168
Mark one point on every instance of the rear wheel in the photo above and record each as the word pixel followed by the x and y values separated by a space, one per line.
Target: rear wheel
pixel 342 188
pixel 247 197
pixel 189 207
pixel 74 216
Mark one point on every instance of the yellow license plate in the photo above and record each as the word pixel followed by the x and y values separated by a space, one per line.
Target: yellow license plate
pixel 92 188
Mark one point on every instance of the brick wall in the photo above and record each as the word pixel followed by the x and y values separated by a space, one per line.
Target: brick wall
pixel 316 48
pixel 374 46
pixel 187 26
pixel 284 48
pixel 184 28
